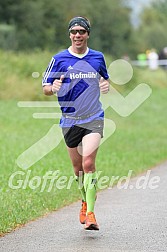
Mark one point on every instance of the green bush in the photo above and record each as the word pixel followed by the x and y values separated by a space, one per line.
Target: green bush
pixel 8 39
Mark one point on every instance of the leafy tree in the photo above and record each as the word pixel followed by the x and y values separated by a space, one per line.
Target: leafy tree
pixel 43 23
pixel 152 31
pixel 111 27
pixel 7 38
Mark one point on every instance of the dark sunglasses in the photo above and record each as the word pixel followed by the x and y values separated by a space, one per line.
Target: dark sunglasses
pixel 81 32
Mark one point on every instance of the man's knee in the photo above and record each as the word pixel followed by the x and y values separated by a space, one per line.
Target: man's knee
pixel 88 165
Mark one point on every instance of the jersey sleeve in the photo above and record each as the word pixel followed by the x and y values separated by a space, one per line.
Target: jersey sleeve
pixel 54 71
pixel 50 73
pixel 103 70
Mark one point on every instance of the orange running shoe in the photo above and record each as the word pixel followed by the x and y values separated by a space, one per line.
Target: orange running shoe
pixel 91 223
pixel 82 214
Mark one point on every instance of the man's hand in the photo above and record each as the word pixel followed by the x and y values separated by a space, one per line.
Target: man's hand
pixel 104 85
pixel 57 84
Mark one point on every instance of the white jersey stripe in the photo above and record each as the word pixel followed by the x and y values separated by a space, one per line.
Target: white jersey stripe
pixel 48 70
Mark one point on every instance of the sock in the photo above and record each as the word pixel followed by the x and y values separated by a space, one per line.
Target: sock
pixel 90 180
pixel 80 180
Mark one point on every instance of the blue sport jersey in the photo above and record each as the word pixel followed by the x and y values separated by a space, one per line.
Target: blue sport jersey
pixel 79 94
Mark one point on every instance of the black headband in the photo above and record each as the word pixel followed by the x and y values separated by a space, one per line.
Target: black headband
pixel 81 22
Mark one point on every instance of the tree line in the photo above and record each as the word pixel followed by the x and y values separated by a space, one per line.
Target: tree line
pixel 42 24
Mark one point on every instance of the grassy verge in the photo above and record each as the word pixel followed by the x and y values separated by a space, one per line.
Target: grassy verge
pixel 138 143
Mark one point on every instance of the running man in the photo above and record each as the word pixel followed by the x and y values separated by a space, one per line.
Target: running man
pixel 77 75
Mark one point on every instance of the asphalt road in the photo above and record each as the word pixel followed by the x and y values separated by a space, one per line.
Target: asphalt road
pixel 130 220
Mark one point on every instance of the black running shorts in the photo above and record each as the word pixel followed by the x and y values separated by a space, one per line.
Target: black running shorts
pixel 73 136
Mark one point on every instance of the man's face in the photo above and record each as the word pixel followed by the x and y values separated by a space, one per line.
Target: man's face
pixel 79 40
